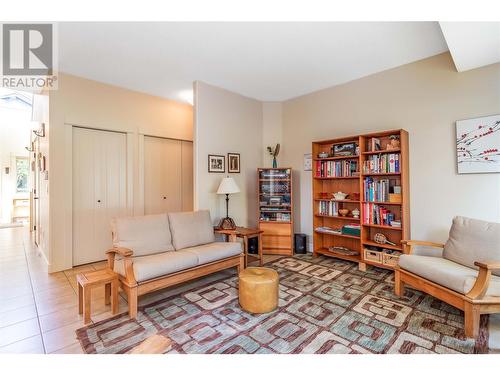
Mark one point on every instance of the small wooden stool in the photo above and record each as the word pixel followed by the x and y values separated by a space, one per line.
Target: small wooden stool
pixel 87 281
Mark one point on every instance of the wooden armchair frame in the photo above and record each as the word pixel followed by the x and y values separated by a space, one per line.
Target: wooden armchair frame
pixel 473 304
pixel 134 289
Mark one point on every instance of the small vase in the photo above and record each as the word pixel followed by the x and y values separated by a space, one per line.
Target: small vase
pixel 275 163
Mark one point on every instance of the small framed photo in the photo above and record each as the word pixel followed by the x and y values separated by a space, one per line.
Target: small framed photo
pixel 216 164
pixel 233 163
pixel 344 149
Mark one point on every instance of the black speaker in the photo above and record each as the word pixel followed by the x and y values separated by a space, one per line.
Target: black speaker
pixel 253 245
pixel 300 243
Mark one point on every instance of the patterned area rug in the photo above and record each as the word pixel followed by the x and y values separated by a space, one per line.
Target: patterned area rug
pixel 325 306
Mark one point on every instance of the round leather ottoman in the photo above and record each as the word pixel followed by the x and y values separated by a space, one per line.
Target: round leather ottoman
pixel 258 289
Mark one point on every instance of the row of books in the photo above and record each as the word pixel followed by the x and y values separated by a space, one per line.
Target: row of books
pixel 329 208
pixel 385 163
pixel 343 168
pixel 378 215
pixel 275 216
pixel 376 190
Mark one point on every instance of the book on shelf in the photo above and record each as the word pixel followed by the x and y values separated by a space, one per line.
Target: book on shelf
pixel 329 208
pixel 274 216
pixel 328 230
pixel 336 168
pixel 384 163
pixel 353 229
pixel 378 215
pixel 375 144
pixel 376 190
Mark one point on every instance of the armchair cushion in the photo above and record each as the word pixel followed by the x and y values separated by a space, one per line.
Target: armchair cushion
pixel 444 272
pixel 472 240
pixel 144 235
pixel 191 229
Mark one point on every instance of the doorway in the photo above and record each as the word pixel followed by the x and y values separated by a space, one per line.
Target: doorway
pixel 16 177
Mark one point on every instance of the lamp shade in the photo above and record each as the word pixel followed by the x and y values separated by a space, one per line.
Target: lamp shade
pixel 228 186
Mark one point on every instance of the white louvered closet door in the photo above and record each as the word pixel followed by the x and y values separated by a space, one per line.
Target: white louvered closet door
pixel 99 190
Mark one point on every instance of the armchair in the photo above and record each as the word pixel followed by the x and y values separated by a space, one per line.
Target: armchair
pixel 466 274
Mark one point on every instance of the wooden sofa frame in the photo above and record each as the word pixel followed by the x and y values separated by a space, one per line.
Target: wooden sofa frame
pixel 134 289
pixel 473 304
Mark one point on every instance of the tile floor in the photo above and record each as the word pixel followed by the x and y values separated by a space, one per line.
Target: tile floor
pixel 39 311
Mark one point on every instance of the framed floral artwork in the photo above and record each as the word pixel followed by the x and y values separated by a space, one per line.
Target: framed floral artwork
pixel 478 145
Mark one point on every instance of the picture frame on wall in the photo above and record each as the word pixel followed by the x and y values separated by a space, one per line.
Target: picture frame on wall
pixel 233 162
pixel 216 164
pixel 478 145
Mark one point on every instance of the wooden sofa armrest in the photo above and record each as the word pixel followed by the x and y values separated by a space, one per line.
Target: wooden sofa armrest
pixel 408 244
pixel 488 265
pixel 122 251
pixel 127 262
pixel 483 279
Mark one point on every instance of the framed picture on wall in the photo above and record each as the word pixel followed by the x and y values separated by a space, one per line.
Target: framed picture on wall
pixel 233 163
pixel 216 164
pixel 478 145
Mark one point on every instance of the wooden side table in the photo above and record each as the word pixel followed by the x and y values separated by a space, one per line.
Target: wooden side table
pixel 89 280
pixel 245 234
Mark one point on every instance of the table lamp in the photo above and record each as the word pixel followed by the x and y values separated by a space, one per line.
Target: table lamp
pixel 227 186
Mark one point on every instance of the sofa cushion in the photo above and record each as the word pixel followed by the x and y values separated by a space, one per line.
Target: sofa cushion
pixel 214 251
pixel 151 266
pixel 144 235
pixel 473 240
pixel 191 229
pixel 444 272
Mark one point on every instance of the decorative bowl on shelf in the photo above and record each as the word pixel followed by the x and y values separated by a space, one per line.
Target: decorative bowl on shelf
pixel 343 211
pixel 340 196
pixel 323 155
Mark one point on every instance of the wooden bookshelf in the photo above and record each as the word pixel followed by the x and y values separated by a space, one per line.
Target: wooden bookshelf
pixel 276 210
pixel 381 176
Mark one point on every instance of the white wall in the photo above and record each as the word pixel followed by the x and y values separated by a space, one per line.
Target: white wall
pixel 425 98
pixel 227 122
pixel 15 130
pixel 92 104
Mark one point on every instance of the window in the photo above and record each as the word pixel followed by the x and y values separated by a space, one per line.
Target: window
pixel 22 165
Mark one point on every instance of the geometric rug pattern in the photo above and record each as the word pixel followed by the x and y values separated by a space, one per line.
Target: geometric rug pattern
pixel 325 306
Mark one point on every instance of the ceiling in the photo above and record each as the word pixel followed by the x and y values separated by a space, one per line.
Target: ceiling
pixel 472 44
pixel 265 61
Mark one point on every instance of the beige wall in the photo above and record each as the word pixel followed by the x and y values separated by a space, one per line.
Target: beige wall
pixel 272 134
pixel 92 104
pixel 425 98
pixel 227 122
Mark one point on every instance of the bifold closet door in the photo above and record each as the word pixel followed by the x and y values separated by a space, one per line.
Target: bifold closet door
pixel 99 190
pixel 162 175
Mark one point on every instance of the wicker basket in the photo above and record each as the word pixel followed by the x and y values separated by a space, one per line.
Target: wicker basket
pixel 390 259
pixel 373 255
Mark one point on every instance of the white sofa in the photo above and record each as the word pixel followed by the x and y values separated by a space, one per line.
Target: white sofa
pixel 156 251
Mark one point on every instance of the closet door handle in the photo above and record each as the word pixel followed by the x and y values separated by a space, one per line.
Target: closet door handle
pixel 98 201
pixel 164 197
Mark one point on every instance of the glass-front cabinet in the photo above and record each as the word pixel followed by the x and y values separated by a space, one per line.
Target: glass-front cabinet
pixel 276 209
